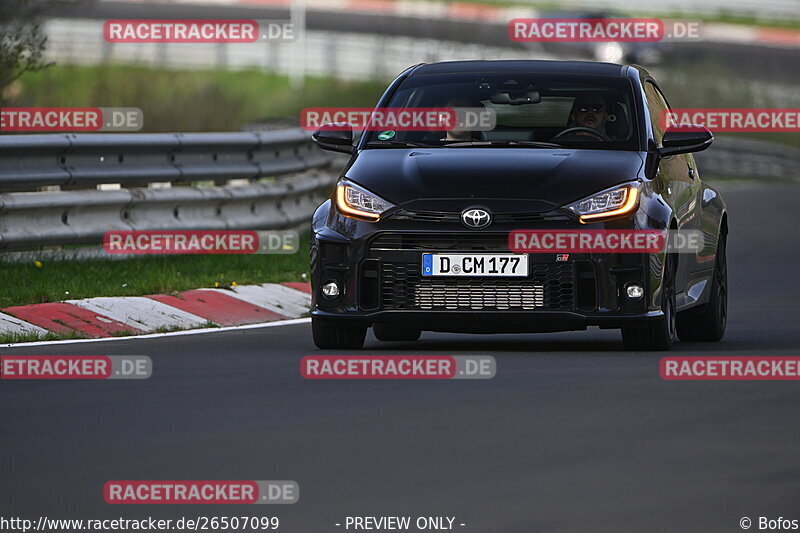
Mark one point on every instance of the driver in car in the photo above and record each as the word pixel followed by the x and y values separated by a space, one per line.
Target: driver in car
pixel 458 133
pixel 590 111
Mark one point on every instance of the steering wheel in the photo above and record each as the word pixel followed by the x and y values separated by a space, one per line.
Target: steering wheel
pixel 597 133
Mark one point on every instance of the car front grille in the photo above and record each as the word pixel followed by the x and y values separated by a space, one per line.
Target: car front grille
pixel 444 242
pixel 550 286
pixel 455 218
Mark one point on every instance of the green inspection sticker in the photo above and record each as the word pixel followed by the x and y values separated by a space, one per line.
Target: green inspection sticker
pixel 385 135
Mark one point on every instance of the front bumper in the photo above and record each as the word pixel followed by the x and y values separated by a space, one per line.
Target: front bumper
pixel 378 272
pixel 489 322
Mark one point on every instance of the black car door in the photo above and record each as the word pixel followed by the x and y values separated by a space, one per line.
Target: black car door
pixel 676 180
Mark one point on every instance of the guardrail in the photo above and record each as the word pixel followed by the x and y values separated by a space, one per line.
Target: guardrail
pixel 155 174
pixel 736 157
pixel 158 177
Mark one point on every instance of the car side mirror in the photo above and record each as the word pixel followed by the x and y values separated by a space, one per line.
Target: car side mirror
pixel 684 140
pixel 334 136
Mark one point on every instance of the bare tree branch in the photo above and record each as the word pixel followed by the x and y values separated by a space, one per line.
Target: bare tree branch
pixel 22 41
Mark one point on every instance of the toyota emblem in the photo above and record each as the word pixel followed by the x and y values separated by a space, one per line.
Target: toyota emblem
pixel 476 218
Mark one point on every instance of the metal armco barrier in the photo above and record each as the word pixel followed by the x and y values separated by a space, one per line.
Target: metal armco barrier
pixel 31 219
pixel 301 181
pixel 736 157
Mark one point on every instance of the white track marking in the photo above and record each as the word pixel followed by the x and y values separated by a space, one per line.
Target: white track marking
pixel 292 322
pixel 277 298
pixel 9 324
pixel 140 312
pixel 148 315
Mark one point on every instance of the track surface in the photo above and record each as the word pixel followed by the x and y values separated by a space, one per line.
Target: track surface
pixel 573 434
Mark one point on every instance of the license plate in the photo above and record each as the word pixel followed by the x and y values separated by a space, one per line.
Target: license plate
pixel 476 265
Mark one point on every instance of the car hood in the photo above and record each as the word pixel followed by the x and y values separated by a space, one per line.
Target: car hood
pixel 503 179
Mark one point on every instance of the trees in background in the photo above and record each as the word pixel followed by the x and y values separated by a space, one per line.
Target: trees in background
pixel 22 41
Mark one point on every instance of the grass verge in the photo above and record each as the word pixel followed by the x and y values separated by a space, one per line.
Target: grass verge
pixel 26 283
pixel 169 99
pixel 14 338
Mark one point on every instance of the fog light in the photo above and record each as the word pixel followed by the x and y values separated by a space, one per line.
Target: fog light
pixel 330 290
pixel 634 291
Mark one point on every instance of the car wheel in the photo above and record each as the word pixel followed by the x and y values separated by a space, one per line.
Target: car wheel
pixel 331 337
pixel 386 332
pixel 658 334
pixel 707 322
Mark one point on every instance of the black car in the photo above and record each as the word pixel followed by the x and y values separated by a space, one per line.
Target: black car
pixel 405 197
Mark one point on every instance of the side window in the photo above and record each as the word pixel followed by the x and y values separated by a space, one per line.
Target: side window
pixel 657 107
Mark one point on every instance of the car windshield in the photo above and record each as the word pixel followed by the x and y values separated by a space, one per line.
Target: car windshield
pixel 517 110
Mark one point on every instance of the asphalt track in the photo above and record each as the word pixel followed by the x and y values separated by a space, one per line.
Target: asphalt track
pixel 573 434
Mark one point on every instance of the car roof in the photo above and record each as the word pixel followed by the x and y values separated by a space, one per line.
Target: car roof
pixel 522 66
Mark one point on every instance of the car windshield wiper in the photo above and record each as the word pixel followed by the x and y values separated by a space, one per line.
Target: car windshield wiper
pixel 504 144
pixel 399 144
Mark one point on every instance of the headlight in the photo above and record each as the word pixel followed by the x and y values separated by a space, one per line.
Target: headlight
pixel 355 202
pixel 607 204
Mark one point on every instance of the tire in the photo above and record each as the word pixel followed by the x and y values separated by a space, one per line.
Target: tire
pixel 386 332
pixel 330 337
pixel 707 322
pixel 658 334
